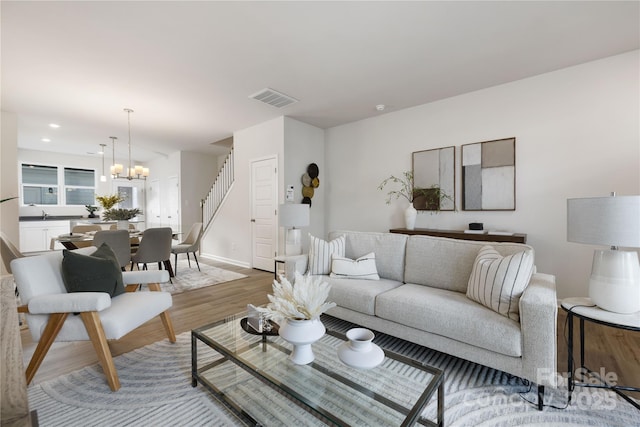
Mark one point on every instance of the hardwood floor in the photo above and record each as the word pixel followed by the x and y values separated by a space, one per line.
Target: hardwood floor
pixel 615 350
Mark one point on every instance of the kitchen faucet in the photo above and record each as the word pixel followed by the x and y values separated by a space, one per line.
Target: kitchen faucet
pixel 44 214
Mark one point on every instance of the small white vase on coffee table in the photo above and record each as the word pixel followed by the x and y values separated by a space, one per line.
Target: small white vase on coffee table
pixel 360 351
pixel 301 334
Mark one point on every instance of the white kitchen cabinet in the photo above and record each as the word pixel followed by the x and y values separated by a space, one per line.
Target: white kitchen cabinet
pixel 37 235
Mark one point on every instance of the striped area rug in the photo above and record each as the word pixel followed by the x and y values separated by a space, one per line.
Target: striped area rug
pixel 156 391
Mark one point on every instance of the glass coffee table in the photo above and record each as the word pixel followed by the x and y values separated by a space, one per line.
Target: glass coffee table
pixel 252 375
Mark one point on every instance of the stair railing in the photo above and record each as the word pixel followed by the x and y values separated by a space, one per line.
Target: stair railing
pixel 218 191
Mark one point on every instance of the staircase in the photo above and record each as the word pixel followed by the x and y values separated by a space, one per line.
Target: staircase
pixel 218 191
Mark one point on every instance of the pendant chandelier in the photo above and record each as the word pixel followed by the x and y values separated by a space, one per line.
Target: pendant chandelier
pixel 133 172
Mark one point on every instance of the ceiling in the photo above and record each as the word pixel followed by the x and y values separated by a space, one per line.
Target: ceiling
pixel 188 68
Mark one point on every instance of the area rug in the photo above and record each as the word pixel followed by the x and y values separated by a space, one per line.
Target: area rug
pixel 156 390
pixel 187 278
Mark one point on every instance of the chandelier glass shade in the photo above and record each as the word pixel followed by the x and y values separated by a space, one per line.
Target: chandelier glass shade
pixel 132 171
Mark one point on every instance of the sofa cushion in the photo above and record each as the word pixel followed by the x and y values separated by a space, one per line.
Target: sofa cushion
pixel 497 282
pixel 362 268
pixel 388 247
pixel 357 294
pixel 320 252
pixel 447 263
pixel 450 314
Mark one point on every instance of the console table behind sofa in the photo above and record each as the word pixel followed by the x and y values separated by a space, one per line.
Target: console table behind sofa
pixel 460 234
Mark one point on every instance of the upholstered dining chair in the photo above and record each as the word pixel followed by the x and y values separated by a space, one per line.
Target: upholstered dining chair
pixel 119 242
pixel 190 244
pixel 101 317
pixel 155 246
pixel 84 228
pixel 115 226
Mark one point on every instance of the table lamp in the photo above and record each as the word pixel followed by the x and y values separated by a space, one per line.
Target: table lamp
pixel 290 216
pixel 615 274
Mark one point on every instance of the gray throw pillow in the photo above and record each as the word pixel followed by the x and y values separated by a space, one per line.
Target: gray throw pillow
pixel 98 272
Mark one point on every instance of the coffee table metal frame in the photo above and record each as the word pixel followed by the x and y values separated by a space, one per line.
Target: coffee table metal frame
pixel 412 415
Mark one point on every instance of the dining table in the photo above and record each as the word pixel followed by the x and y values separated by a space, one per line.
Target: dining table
pixel 73 241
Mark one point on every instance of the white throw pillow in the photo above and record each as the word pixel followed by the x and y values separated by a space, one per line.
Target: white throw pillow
pixel 361 268
pixel 497 282
pixel 320 252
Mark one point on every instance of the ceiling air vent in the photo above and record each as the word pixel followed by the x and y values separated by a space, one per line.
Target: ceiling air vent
pixel 273 98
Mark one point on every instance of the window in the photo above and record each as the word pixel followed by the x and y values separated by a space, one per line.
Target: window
pixel 79 186
pixel 40 185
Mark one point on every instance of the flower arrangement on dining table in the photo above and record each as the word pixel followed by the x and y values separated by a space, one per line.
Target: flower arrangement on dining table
pixel 306 300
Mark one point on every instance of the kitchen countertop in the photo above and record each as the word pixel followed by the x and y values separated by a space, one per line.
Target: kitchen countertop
pixel 50 218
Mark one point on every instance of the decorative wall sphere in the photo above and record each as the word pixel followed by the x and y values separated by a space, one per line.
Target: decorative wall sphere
pixel 313 170
pixel 306 180
pixel 307 192
pixel 306 201
pixel 315 182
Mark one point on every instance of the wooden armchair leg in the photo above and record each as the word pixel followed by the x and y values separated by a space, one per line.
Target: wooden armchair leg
pixel 168 326
pixel 56 320
pixel 99 340
pixel 131 288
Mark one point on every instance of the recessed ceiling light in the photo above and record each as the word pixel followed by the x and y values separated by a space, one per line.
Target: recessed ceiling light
pixel 54 125
pixel 380 107
pixel 45 140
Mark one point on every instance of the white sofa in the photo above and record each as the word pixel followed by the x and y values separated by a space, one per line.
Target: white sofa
pixel 421 297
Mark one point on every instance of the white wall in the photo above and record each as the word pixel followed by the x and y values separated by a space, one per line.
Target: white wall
pixel 229 237
pixel 9 178
pixel 304 144
pixel 197 173
pixel 577 134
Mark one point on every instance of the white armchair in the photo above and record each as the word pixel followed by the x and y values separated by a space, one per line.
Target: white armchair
pixel 101 318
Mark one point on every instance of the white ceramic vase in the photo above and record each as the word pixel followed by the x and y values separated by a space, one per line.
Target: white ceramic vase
pixel 122 224
pixel 301 334
pixel 360 351
pixel 410 215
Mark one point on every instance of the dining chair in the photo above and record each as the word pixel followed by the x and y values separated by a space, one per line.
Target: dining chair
pixel 47 306
pixel 191 243
pixel 84 228
pixel 155 246
pixel 115 226
pixel 119 242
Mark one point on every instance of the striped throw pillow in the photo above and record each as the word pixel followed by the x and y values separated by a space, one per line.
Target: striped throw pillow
pixel 497 282
pixel 361 268
pixel 320 252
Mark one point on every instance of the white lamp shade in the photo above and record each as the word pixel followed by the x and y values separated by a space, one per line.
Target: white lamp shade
pixel 293 215
pixel 611 221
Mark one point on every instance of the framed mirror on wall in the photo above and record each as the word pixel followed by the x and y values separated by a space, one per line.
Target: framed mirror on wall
pixel 434 179
pixel 489 175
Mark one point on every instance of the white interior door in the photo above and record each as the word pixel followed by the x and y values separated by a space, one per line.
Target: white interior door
pixel 153 214
pixel 173 204
pixel 264 202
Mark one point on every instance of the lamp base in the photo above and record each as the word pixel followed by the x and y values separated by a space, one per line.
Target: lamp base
pixel 615 281
pixel 293 245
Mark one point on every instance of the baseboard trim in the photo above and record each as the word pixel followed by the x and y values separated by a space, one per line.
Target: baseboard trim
pixel 226 260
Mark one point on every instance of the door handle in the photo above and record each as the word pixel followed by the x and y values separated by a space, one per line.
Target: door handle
pixel 253 220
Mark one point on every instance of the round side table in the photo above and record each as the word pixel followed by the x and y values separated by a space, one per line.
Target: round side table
pixel 585 309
